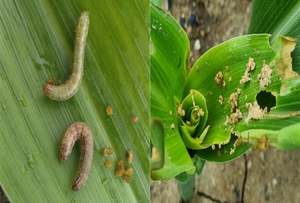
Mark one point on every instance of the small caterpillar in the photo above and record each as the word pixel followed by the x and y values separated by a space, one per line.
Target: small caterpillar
pixel 81 131
pixel 71 86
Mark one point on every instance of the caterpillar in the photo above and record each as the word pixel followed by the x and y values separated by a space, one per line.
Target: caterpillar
pixel 78 131
pixel 71 86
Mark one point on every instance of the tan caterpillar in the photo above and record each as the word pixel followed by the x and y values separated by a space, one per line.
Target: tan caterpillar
pixel 71 86
pixel 78 131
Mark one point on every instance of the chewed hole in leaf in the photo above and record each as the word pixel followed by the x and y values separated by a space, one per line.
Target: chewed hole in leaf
pixel 266 99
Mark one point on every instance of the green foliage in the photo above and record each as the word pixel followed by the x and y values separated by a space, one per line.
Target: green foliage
pixel 36 43
pixel 187 188
pixel 193 116
pixel 168 62
pixel 278 18
pixel 241 93
pixel 223 110
pixel 241 86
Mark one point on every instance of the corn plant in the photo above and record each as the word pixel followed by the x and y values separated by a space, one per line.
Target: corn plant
pixel 240 94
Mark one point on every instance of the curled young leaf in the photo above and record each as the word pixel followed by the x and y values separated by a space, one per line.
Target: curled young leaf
pixel 193 115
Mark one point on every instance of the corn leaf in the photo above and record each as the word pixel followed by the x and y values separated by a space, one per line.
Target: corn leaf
pixel 37 43
pixel 170 51
pixel 278 18
pixel 221 74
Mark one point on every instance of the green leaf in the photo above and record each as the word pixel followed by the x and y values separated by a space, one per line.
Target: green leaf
pixel 233 87
pixel 223 153
pixel 199 163
pixel 158 142
pixel 241 97
pixel 182 177
pixel 278 18
pixel 224 67
pixel 195 111
pixel 36 43
pixel 278 96
pixel 157 2
pixel 286 138
pixel 282 18
pixel 187 188
pixel 168 69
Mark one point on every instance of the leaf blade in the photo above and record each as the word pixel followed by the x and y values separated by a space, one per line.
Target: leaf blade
pixel 32 125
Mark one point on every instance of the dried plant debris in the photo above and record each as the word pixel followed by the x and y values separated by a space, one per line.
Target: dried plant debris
pixel 257 141
pixel 180 111
pixel 224 83
pixel 264 77
pixel 262 143
pixel 236 114
pixel 155 154
pixel 233 101
pixel 129 156
pixel 221 99
pixel 121 168
pixel 213 147
pixel 238 142
pixel 121 171
pixel 127 178
pixel 108 163
pixel 219 79
pixel 134 119
pixel 107 151
pixel 109 111
pixel 128 171
pixel 250 66
pixel 255 112
pixel 284 116
pixel 200 112
pixel 284 67
pixel 234 117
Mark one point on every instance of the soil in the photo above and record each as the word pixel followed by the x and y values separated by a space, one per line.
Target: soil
pixel 267 176
pixel 3 198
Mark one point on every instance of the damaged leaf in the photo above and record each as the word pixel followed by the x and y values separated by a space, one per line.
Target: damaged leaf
pixel 249 65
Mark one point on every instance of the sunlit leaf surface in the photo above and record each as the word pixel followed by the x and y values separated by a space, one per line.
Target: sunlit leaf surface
pixel 278 18
pixel 169 56
pixel 36 43
pixel 249 83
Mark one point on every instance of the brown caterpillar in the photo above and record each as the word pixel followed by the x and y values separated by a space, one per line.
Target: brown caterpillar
pixel 81 131
pixel 71 86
